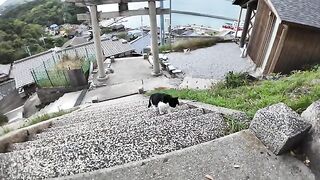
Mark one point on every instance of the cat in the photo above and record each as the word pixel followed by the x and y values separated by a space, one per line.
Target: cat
pixel 163 102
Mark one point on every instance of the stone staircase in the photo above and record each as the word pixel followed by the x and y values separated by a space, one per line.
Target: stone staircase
pixel 108 134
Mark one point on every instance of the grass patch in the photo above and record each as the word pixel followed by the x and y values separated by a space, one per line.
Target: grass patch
pixel 234 125
pixel 6 130
pixel 45 117
pixel 191 44
pixel 298 91
pixel 3 119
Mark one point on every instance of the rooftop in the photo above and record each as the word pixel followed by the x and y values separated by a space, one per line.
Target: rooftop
pixel 299 11
pixel 21 68
pixel 294 11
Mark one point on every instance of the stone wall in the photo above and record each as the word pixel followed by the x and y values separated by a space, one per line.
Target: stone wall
pixel 48 95
pixel 6 88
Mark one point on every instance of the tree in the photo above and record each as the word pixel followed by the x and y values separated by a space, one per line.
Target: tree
pixel 24 26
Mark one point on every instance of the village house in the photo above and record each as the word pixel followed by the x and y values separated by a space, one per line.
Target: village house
pixel 285 34
pixel 22 68
pixel 7 84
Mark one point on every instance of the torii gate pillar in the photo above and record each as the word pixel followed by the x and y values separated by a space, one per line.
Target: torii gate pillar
pixel 97 43
pixel 154 37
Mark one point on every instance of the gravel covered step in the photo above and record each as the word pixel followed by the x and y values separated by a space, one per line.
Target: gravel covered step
pixel 78 120
pixel 109 122
pixel 105 106
pixel 108 129
pixel 138 144
pixel 96 113
pixel 89 119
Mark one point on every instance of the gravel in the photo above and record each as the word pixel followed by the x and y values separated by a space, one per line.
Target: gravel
pixel 98 130
pixel 88 144
pixel 211 62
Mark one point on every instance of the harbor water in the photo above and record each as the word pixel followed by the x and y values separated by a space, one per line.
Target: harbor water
pixel 211 7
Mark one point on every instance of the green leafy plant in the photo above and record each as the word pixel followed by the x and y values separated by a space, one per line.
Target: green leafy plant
pixel 233 80
pixel 3 119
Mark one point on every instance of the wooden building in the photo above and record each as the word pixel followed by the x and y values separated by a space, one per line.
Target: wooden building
pixel 285 34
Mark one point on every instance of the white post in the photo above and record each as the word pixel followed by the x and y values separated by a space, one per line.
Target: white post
pixel 97 43
pixel 154 37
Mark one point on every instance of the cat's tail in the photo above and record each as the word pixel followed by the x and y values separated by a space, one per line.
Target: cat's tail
pixel 149 104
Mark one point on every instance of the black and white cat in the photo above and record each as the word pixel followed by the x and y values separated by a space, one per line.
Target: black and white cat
pixel 163 102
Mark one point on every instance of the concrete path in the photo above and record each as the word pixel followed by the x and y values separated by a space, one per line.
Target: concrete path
pixel 237 156
pixel 129 75
pixel 197 83
pixel 67 101
pixel 212 62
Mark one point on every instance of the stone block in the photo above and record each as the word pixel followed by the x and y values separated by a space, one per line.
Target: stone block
pixel 311 147
pixel 95 99
pixel 312 115
pixel 279 127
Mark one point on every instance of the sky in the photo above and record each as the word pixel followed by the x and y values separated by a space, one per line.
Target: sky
pixel 2 1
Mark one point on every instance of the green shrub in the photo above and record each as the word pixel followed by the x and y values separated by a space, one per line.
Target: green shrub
pixel 3 119
pixel 164 48
pixel 233 80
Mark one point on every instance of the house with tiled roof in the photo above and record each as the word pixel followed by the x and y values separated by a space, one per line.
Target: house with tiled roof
pixel 7 84
pixel 285 34
pixel 21 69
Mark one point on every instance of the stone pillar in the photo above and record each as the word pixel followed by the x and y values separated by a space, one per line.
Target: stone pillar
pixel 246 26
pixel 97 43
pixel 154 37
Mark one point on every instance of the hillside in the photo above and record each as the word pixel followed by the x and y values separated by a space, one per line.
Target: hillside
pixel 23 26
pixel 45 12
pixel 10 4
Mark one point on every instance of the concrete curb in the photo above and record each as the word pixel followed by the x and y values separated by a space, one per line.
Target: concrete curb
pixel 238 115
pixel 21 135
pixel 80 97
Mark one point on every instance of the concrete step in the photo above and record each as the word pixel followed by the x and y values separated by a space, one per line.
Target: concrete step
pixel 118 103
pixel 237 156
pixel 83 118
pixel 93 114
pixel 102 131
pixel 142 140
pixel 105 121
pixel 93 118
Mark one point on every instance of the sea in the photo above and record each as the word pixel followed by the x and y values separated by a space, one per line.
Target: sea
pixel 212 7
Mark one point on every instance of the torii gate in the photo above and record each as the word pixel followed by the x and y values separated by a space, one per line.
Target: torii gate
pixel 152 11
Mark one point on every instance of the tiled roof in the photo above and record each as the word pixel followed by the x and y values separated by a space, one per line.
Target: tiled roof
pixel 306 12
pixel 21 68
pixel 141 42
pixel 5 69
pixel 74 41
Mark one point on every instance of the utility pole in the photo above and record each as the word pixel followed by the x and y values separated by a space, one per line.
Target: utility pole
pixel 44 42
pixel 162 33
pixel 28 50
pixel 170 23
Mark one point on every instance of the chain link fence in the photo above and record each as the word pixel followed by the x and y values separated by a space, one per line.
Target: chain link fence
pixel 53 73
